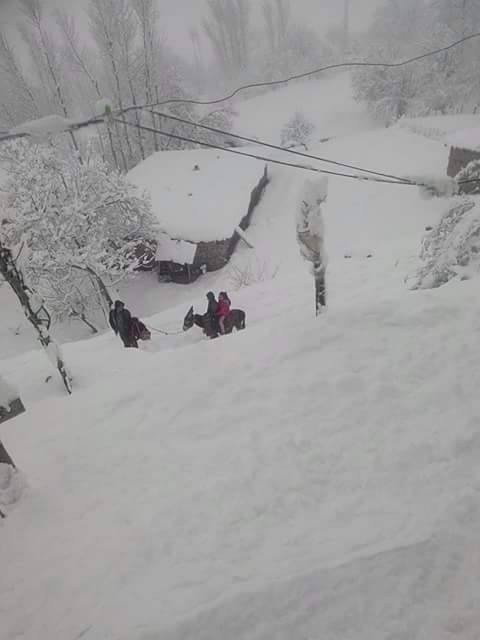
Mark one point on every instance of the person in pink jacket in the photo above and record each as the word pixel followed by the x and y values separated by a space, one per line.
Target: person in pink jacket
pixel 223 310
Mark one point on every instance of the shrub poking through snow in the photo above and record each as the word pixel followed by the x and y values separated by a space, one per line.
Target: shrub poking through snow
pixel 297 132
pixel 452 248
pixel 311 234
pixel 254 272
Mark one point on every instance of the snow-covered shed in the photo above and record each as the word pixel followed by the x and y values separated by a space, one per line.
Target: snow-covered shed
pixel 200 198
pixel 464 149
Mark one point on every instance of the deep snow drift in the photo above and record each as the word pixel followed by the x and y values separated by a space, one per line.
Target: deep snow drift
pixel 306 478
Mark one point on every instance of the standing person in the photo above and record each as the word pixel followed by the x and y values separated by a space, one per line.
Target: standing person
pixel 223 310
pixel 121 322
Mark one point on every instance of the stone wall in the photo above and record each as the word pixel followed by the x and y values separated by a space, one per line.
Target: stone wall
pixel 16 408
pixel 215 255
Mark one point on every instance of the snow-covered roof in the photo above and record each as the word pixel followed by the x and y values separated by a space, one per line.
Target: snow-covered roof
pixel 198 205
pixel 178 251
pixel 466 139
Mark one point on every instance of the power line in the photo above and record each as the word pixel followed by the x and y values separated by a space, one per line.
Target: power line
pixel 279 148
pixel 303 167
pixel 307 74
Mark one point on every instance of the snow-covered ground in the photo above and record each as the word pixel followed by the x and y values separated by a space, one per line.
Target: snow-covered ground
pixel 306 478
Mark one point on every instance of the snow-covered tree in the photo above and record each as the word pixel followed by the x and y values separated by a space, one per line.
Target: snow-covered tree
pixel 469 178
pixel 447 82
pixel 80 224
pixel 452 248
pixel 297 131
pixel 311 234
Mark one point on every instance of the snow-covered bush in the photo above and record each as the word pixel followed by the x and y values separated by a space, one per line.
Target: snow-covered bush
pixel 470 173
pixel 78 223
pixel 297 131
pixel 452 248
pixel 254 272
pixel 221 119
pixel 311 234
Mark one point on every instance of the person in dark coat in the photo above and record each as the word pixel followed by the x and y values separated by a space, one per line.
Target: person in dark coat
pixel 212 310
pixel 121 322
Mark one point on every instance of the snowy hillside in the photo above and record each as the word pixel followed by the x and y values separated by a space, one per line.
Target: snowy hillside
pixel 306 478
pixel 327 102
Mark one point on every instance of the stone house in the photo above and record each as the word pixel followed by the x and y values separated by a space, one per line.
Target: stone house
pixel 203 201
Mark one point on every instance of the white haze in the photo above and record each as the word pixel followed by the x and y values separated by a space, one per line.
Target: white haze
pixel 180 16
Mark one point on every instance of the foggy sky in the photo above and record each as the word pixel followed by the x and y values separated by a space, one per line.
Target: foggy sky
pixel 179 16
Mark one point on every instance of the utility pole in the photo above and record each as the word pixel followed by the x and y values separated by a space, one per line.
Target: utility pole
pixel 346 26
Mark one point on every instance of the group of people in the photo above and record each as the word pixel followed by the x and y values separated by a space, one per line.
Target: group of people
pixel 130 329
pixel 218 310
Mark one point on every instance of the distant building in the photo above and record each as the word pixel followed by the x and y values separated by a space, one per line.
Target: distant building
pixel 200 198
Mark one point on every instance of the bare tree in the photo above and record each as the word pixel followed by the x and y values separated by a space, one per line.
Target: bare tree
pixel 106 22
pixel 19 101
pixel 79 60
pixel 228 28
pixel 40 42
pixel 277 17
pixel 147 16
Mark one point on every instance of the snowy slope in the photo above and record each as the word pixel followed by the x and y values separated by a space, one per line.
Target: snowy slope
pixel 298 453
pixel 326 101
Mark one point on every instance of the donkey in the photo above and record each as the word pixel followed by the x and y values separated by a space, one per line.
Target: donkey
pixel 236 319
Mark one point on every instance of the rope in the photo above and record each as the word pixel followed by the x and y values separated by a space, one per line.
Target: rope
pixel 165 333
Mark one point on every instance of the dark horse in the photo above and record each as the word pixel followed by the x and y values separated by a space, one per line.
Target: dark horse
pixel 235 320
